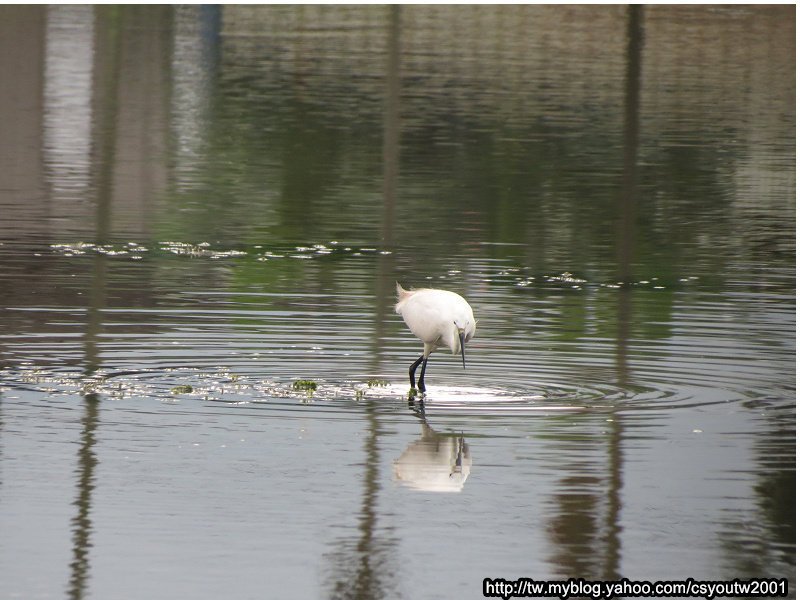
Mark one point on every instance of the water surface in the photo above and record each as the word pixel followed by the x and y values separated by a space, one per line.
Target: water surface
pixel 202 206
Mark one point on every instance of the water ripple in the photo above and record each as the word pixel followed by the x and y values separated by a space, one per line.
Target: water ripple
pixel 546 347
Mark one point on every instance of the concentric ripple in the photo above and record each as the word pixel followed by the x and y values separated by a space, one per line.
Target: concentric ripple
pixel 558 342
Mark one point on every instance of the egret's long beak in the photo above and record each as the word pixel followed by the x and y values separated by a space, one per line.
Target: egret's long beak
pixel 461 338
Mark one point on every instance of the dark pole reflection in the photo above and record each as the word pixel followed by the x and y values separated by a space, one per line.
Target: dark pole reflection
pixel 626 218
pixel 626 242
pixel 385 294
pixel 361 565
pixel 82 523
pixel 104 110
pixel 590 505
pixel 627 199
pixel 391 126
pixel 367 582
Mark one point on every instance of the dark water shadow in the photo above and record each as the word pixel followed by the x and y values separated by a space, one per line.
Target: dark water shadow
pixel 590 520
pixel 363 564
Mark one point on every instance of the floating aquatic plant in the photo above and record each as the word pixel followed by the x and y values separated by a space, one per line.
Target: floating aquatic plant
pixel 305 384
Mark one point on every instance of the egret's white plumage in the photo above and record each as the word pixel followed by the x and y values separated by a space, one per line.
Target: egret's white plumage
pixel 437 317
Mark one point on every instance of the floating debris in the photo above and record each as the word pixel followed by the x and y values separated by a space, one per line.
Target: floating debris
pixel 182 389
pixel 129 249
pixel 566 277
pixel 258 252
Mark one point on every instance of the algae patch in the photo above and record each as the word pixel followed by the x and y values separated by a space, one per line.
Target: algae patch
pixel 305 385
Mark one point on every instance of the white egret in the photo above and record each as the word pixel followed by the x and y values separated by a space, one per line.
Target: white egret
pixel 440 319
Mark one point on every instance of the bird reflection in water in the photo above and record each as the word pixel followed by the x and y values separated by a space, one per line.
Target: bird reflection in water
pixel 434 463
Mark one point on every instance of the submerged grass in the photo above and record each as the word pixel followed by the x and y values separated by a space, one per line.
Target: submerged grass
pixel 182 389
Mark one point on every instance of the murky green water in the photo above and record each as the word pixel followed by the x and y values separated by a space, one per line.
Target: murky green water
pixel 201 206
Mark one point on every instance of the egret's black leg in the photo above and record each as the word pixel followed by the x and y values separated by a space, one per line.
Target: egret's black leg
pixel 422 375
pixel 413 368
